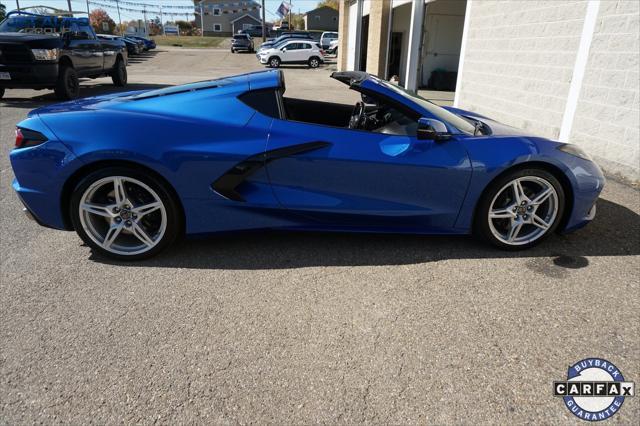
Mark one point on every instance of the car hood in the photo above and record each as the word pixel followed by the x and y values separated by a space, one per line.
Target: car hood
pixel 39 40
pixel 497 128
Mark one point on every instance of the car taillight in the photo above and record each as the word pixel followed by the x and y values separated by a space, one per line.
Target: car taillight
pixel 26 137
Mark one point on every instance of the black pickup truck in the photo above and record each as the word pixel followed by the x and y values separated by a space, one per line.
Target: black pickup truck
pixel 53 52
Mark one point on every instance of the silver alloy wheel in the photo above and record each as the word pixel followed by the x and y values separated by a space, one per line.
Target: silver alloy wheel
pixel 123 215
pixel 314 63
pixel 523 210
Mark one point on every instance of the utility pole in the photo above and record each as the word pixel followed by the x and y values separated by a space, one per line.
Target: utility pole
pixel 69 4
pixel 119 18
pixel 290 20
pixel 144 15
pixel 201 19
pixel 88 11
pixel 264 24
pixel 18 4
pixel 162 21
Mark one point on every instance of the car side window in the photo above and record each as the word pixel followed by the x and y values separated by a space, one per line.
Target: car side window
pixel 392 121
pixel 264 101
pixel 306 46
pixel 85 32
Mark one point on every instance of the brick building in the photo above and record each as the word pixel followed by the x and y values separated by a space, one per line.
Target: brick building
pixel 566 70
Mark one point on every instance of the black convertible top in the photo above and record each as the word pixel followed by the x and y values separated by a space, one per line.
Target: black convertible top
pixel 352 78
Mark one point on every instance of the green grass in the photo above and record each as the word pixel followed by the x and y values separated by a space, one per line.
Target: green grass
pixel 189 41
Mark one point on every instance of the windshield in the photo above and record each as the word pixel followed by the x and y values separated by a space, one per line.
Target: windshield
pixel 38 24
pixel 437 111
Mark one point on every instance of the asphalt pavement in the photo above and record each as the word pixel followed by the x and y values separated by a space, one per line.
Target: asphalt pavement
pixel 299 328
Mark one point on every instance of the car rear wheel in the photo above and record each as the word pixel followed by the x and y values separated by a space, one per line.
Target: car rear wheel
pixel 232 50
pixel 274 62
pixel 314 62
pixel 520 209
pixel 68 85
pixel 1 92
pixel 119 73
pixel 125 214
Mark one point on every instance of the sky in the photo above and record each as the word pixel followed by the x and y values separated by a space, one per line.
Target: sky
pixel 81 5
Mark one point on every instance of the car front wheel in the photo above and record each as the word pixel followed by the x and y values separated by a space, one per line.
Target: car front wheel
pixel 124 214
pixel 314 62
pixel 274 62
pixel 68 85
pixel 119 74
pixel 1 92
pixel 520 209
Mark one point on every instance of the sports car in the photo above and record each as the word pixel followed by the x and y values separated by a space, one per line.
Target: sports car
pixel 132 172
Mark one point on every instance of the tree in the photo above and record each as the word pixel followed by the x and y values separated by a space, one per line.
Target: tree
pixel 297 21
pixel 98 18
pixel 3 11
pixel 329 3
pixel 187 28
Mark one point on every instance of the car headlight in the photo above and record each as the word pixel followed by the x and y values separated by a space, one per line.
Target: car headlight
pixel 45 54
pixel 574 150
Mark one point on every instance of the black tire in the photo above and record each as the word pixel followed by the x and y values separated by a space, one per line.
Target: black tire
pixel 119 74
pixel 274 62
pixel 314 62
pixel 482 229
pixel 68 85
pixel 173 211
pixel 232 50
pixel 1 92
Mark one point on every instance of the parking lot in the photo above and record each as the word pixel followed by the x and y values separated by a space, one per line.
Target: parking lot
pixel 297 328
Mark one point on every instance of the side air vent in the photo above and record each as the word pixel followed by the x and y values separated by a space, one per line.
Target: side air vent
pixel 227 184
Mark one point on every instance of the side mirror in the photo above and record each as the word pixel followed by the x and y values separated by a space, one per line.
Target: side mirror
pixel 430 129
pixel 284 49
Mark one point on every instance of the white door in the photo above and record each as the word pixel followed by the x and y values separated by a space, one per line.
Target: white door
pixel 442 42
pixel 351 41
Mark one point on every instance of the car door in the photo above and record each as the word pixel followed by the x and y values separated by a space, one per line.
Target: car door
pixel 369 180
pixel 305 51
pixel 86 51
pixel 290 52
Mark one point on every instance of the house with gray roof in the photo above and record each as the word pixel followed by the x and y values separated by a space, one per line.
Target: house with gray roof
pixel 219 18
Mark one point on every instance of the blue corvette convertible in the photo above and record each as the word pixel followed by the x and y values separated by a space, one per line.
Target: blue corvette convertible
pixel 132 172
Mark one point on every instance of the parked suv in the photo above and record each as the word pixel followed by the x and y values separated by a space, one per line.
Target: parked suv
pixel 326 38
pixel 53 52
pixel 299 35
pixel 241 42
pixel 292 52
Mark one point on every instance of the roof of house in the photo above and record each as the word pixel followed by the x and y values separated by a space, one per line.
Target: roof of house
pixel 320 8
pixel 246 14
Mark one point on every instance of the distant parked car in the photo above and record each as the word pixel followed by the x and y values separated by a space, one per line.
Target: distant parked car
pixel 333 47
pixel 298 35
pixel 148 43
pixel 255 31
pixel 292 52
pixel 140 43
pixel 326 38
pixel 241 42
pixel 133 48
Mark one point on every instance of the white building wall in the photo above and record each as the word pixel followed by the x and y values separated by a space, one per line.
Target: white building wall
pixel 607 116
pixel 519 62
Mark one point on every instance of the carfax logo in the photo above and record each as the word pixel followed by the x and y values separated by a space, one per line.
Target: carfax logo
pixel 594 390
